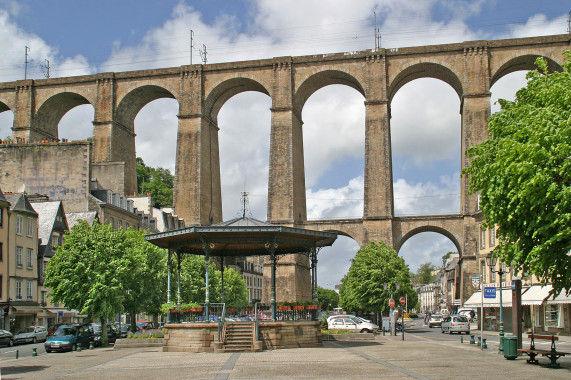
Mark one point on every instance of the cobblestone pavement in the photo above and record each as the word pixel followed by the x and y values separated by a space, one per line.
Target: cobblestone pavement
pixel 385 357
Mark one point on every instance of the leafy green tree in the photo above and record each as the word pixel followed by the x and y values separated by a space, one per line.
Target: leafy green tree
pixel 362 288
pixel 89 271
pixel 193 271
pixel 147 286
pixel 523 174
pixel 158 182
pixel 424 274
pixel 328 298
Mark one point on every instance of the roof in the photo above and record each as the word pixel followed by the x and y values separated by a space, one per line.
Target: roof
pixel 242 237
pixel 19 202
pixel 2 198
pixel 561 298
pixel 47 212
pixel 535 295
pixel 73 218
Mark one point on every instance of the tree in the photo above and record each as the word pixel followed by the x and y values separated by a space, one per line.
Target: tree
pixel 362 288
pixel 158 182
pixel 146 288
pixel 424 274
pixel 328 298
pixel 193 271
pixel 89 271
pixel 523 174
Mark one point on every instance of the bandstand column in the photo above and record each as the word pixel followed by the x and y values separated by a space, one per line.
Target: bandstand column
pixel 178 285
pixel 222 280
pixel 169 282
pixel 273 300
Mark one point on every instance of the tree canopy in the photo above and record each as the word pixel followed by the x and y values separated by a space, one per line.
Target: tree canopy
pixel 523 174
pixel 327 298
pixel 158 182
pixel 424 274
pixel 362 288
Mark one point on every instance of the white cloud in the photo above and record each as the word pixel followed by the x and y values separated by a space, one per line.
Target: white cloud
pixel 539 25
pixel 426 247
pixel 427 198
pixel 345 202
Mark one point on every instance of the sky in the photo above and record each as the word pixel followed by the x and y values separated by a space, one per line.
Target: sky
pixel 79 37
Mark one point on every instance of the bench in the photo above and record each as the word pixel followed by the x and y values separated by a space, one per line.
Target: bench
pixel 552 354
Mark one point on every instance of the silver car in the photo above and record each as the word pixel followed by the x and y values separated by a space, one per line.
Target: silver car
pixel 353 324
pixel 455 323
pixel 31 334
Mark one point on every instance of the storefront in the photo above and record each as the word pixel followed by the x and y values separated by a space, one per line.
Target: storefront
pixel 492 309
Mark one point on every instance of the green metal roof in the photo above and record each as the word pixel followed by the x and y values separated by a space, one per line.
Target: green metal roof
pixel 242 237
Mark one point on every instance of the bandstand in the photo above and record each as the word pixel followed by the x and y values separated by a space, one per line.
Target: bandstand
pixel 242 237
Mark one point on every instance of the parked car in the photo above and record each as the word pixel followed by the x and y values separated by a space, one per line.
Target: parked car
pixel 352 324
pixel 347 315
pixel 68 337
pixel 54 328
pixel 112 334
pixel 468 313
pixel 146 325
pixel 31 334
pixel 122 330
pixel 455 323
pixel 6 338
pixel 435 320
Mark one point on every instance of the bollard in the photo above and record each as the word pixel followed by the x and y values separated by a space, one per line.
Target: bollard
pixel 17 353
pixel 91 345
pixel 479 341
pixel 461 339
pixel 78 349
pixel 484 345
pixel 34 351
pixel 472 340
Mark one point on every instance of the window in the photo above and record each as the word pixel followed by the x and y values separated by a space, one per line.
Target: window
pixel 483 271
pixel 29 258
pixel 552 315
pixel 1 285
pixel 112 222
pixel 1 251
pixel 43 297
pixel 492 236
pixel 19 256
pixel 18 289
pixel 29 285
pixel 19 224
pixel 1 217
pixel 482 239
pixel 30 227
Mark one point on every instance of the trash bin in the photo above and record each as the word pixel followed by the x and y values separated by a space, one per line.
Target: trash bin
pixel 510 347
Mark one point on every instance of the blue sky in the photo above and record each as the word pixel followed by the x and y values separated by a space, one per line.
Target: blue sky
pixel 85 37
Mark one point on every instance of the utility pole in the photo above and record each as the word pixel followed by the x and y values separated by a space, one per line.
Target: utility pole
pixel 47 68
pixel 377 34
pixel 26 64
pixel 191 45
pixel 203 54
pixel 569 23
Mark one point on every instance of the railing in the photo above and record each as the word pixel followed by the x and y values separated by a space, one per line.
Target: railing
pixel 197 315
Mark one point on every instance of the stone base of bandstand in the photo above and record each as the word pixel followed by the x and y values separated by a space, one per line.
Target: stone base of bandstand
pixel 203 337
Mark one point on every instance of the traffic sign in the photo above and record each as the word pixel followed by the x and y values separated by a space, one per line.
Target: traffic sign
pixel 392 302
pixel 402 300
pixel 489 292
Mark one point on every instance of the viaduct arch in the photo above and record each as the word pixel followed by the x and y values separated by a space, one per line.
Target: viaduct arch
pixel 470 68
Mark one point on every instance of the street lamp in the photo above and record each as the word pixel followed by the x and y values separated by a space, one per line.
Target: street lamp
pixel 491 261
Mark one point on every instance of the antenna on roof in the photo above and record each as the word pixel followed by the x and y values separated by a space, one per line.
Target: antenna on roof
pixel 244 203
pixel 569 23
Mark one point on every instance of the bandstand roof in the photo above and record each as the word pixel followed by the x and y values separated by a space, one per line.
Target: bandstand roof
pixel 242 237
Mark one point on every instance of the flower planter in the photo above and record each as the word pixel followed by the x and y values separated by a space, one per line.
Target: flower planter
pixel 284 308
pixel 311 307
pixel 299 307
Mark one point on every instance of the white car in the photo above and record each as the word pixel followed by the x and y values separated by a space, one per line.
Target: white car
pixel 347 316
pixel 352 323
pixel 455 323
pixel 31 334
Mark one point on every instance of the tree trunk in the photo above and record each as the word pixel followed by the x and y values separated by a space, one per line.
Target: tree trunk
pixel 104 337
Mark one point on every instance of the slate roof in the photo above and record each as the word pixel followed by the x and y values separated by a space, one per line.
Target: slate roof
pixel 74 217
pixel 47 212
pixel 2 198
pixel 245 222
pixel 19 202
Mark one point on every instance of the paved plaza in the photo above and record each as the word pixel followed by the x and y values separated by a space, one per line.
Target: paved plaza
pixel 385 357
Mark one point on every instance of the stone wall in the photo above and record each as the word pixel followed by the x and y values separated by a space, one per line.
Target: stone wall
pixel 190 337
pixel 277 335
pixel 58 170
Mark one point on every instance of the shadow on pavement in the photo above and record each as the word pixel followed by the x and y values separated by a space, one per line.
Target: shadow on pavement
pixel 21 369
pixel 349 343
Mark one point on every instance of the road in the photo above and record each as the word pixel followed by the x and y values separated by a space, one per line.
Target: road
pixel 24 350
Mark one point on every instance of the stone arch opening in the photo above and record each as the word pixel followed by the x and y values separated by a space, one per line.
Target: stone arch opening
pixel 226 90
pixel 6 121
pixel 323 79
pixel 244 122
pixel 334 262
pixel 522 63
pixel 51 111
pixel 77 123
pixel 130 105
pixel 334 121
pixel 426 148
pixel 425 70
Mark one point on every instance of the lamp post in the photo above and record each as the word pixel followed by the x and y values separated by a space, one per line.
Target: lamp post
pixel 491 261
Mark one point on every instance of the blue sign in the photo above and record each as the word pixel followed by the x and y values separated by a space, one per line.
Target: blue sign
pixel 60 313
pixel 489 292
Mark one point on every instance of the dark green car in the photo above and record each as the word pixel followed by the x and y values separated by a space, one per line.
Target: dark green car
pixel 69 337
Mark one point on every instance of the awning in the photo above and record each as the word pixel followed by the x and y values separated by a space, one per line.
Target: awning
pixel 561 298
pixel 27 309
pixel 535 295
pixel 65 311
pixel 476 301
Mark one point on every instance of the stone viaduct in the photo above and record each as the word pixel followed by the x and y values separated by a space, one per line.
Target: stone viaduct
pixel 470 68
